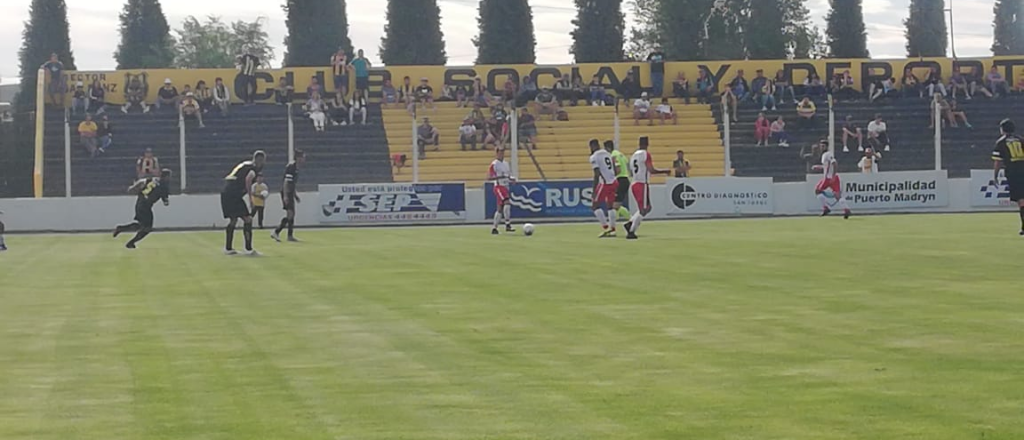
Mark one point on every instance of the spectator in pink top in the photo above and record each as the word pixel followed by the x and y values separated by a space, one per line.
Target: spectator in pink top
pixel 762 130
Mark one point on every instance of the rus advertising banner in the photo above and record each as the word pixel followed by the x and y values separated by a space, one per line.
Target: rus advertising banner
pixel 719 195
pixel 986 195
pixel 545 199
pixel 392 202
pixel 892 190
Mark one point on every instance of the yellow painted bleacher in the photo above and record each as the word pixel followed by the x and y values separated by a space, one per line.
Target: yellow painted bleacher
pixel 562 146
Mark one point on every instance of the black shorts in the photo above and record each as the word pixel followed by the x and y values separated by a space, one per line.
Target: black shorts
pixel 622 192
pixel 362 83
pixel 144 215
pixel 233 205
pixel 288 203
pixel 1016 182
pixel 340 81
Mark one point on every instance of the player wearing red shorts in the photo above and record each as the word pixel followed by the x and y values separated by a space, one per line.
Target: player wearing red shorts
pixel 501 175
pixel 605 185
pixel 641 166
pixel 830 186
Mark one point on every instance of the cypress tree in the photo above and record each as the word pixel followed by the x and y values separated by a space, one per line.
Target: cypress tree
pixel 725 31
pixel 146 41
pixel 845 32
pixel 598 37
pixel 316 29
pixel 45 32
pixel 506 33
pixel 680 28
pixel 926 29
pixel 412 35
pixel 1009 28
pixel 766 30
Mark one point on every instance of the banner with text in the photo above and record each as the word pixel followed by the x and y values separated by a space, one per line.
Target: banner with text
pixel 890 190
pixel 393 203
pixel 984 194
pixel 545 199
pixel 719 195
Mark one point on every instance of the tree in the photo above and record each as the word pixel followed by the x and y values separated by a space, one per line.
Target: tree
pixel 1009 28
pixel 213 44
pixel 845 32
pixel 598 37
pixel 412 35
pixel 725 39
pixel 809 43
pixel 926 29
pixel 765 31
pixel 506 33
pixel 316 29
pixel 146 41
pixel 645 34
pixel 681 26
pixel 45 32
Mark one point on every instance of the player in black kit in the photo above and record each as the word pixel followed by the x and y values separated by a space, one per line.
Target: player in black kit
pixel 238 187
pixel 290 196
pixel 150 191
pixel 1009 155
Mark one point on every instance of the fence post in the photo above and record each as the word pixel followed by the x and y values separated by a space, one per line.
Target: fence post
pixel 291 135
pixel 37 172
pixel 415 153
pixel 618 130
pixel 67 155
pixel 831 125
pixel 727 136
pixel 937 120
pixel 181 153
pixel 513 128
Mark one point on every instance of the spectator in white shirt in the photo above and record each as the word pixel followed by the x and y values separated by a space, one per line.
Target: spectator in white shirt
pixel 779 135
pixel 878 133
pixel 221 96
pixel 642 110
pixel 316 108
pixel 467 134
pixel 665 111
pixel 869 163
pixel 357 107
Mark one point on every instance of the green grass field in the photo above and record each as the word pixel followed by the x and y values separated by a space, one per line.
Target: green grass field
pixel 901 327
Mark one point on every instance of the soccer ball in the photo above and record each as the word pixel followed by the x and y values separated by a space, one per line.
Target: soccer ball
pixel 528 229
pixel 264 195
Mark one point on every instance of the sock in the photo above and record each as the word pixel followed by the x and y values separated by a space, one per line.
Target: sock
pixel 599 213
pixel 623 212
pixel 140 235
pixel 636 220
pixel 823 200
pixel 229 237
pixel 611 219
pixel 497 218
pixel 130 227
pixel 291 228
pixel 247 233
pixel 507 213
pixel 1021 224
pixel 284 224
pixel 841 202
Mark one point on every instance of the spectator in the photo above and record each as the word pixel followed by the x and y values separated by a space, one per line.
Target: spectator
pixel 642 110
pixel 996 83
pixel 204 96
pixel 247 66
pixel 461 97
pixel 878 133
pixel 782 85
pixel 511 90
pixel 499 116
pixel 812 154
pixel 869 162
pixel 657 61
pixel 807 112
pixel 527 129
pixel 843 86
pixel 779 135
pixel 388 94
pixel 762 130
pixel 221 96
pixel 492 132
pixel 739 87
pixel 314 87
pixel 283 92
pixel 480 94
pixel 478 119
pixel 87 135
pixel 467 134
pixel 398 161
pixel 340 68
pixel 933 83
pixel 407 94
pixel 97 98
pixel 941 106
pixel 681 87
pixel 425 93
pixel 79 99
pixel 547 104
pixel 357 107
pixel 1020 85
pixel 316 107
pixel 885 88
pixel 427 134
pixel 757 86
pixel 339 109
pixel 851 130
pixel 813 86
pixel 361 66
pixel 957 83
pixel 579 90
pixel 185 91
pixel 665 111
pixel 629 88
pixel 135 95
pixel 147 165
pixel 55 69
pixel 911 85
pixel 189 109
pixel 167 96
pixel 976 83
pixel 563 90
pixel 105 134
pixel 767 91
pixel 528 92
pixel 705 87
pixel 681 166
pixel 953 112
pixel 597 92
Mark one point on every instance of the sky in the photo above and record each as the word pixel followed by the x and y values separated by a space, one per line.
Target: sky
pixel 94 25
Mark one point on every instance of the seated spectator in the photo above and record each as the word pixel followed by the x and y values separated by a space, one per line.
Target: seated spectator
pixel 406 94
pixel 477 117
pixel 357 107
pixel 811 154
pixel 869 162
pixel 425 94
pixel 579 89
pixel 467 134
pixel 188 108
pixel 681 87
pixel 527 129
pixel 813 86
pixel 97 98
pixel 996 83
pixel 105 134
pixel 665 111
pixel 283 92
pixel 167 96
pixel 221 96
pixel 596 92
pixel 147 165
pixel 842 87
pixel 79 99
pixel 705 87
pixel 629 88
pixel 339 114
pixel 976 83
pixel 762 130
pixel 807 112
pixel 779 135
pixel 314 88
pixel 427 134
pixel 492 133
pixel 204 95
pixel 739 87
pixel 388 94
pixel 135 95
pixel 480 95
pixel 87 135
pixel 316 108
pixel 953 112
pixel 1020 86
pixel 878 133
pixel 852 130
pixel 681 166
pixel 642 110
pixel 185 91
pixel 757 86
pixel 547 104
pixel 529 90
pixel 933 83
pixel 885 88
pixel 783 85
pixel 510 90
pixel 767 93
pixel 957 83
pixel 911 85
pixel 563 88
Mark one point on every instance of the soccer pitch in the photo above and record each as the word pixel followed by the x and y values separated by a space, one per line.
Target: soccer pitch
pixel 899 327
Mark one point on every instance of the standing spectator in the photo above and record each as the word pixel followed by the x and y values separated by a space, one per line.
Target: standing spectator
pixel 87 135
pixel 527 129
pixel 259 203
pixel 757 86
pixel 425 94
pixel 135 95
pixel 642 110
pixel 283 92
pixel 314 88
pixel 665 111
pixel 806 110
pixel 316 108
pixel 105 134
pixel 882 89
pixel 339 114
pixel 55 69
pixel 782 85
pixel 657 61
pixel 933 83
pixel 528 92
pixel 681 166
pixel 779 135
pixel 762 130
pixel 427 134
pixel 629 88
pixel 467 134
pixel 167 96
pixel 705 87
pixel 388 94
pixel 681 87
pixel 221 96
pixel 813 87
pixel 851 130
pixel 204 95
pixel 547 104
pixel 996 83
pixel 911 84
pixel 247 65
pixel 97 98
pixel 869 162
pixel 357 107
pixel 147 165
pixel 596 91
pixel 768 95
pixel 339 69
pixel 878 133
pixel 361 66
pixel 188 108
pixel 79 99
pixel 957 83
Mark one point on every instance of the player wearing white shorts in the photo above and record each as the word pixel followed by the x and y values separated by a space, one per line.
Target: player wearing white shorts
pixel 604 188
pixel 500 173
pixel 641 166
pixel 829 189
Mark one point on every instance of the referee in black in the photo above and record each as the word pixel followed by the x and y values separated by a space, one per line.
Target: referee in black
pixel 247 65
pixel 1009 155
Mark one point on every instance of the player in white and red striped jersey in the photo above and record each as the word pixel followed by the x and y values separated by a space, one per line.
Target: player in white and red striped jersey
pixel 605 185
pixel 641 166
pixel 829 189
pixel 500 173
